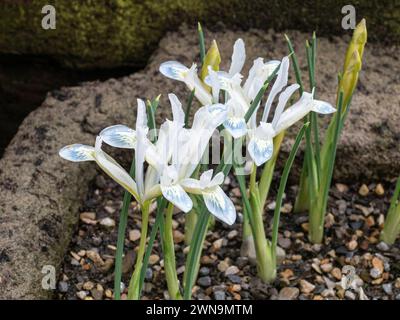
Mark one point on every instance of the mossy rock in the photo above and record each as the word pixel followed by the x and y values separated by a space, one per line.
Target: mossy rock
pixel 110 33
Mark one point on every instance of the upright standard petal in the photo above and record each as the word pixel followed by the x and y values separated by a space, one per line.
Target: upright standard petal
pixel 283 99
pixel 177 111
pixel 119 136
pixel 177 196
pixel 215 84
pixel 219 205
pixel 238 57
pixel 77 153
pixel 141 115
pixel 279 84
pixel 173 70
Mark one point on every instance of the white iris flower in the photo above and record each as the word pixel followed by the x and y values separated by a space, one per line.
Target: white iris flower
pixel 172 159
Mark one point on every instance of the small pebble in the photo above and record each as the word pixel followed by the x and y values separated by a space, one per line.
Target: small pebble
pixel 352 245
pixel 63 286
pixel 375 273
pixel 204 271
pixel 379 190
pixel 327 267
pixel 89 285
pixel 288 293
pixel 134 235
pixel 149 274
pixel 217 244
pixel 306 287
pixel 363 191
pixel 341 187
pixel 222 266
pixel 204 281
pixel 231 270
pixel 232 234
pixel 153 259
pixel 178 236
pixel 81 294
pixel 108 222
pixel 285 243
pixel 350 295
pixel 388 288
pixel 219 295
pixel 336 273
pixel 383 246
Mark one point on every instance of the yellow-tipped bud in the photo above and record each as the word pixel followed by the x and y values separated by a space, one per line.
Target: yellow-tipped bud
pixel 350 77
pixel 353 62
pixel 212 58
pixel 357 43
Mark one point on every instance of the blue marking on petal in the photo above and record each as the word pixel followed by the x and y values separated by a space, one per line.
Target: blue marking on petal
pixel 173 70
pixel 236 126
pixel 260 150
pixel 77 153
pixel 322 107
pixel 219 205
pixel 119 136
pixel 177 196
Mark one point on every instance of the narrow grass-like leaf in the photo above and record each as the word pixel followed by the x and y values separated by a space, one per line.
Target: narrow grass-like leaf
pixel 201 42
pixel 260 94
pixel 123 221
pixel 282 186
pixel 188 108
pixel 295 64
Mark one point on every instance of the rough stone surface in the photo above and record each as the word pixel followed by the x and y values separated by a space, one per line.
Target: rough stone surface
pixel 40 193
pixel 126 32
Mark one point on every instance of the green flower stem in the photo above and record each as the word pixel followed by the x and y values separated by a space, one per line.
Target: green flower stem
pixel 134 284
pixel 169 256
pixel 318 206
pixel 190 224
pixel 257 227
pixel 391 228
pixel 161 205
pixel 268 170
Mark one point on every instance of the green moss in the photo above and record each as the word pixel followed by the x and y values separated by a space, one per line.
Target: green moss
pixel 108 33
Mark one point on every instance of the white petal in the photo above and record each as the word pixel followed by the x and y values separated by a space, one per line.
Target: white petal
pixel 192 81
pixel 173 70
pixel 279 84
pixel 218 179
pixel 238 57
pixel 77 153
pixel 219 205
pixel 295 112
pixel 223 78
pixel 237 127
pixel 141 147
pixel 260 150
pixel 119 136
pixel 322 107
pixel 283 99
pixel 206 177
pixel 141 115
pixel 177 111
pixel 191 185
pixel 215 84
pixel 177 196
pixel 116 172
